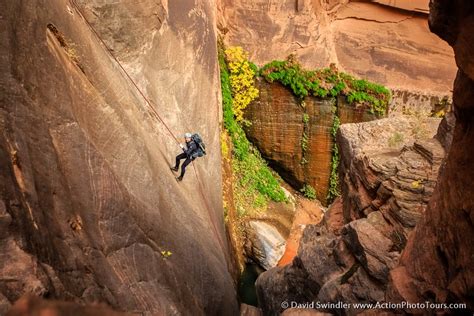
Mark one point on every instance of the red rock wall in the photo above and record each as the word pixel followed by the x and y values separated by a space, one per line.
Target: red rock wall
pixel 277 130
pixel 385 189
pixel 87 200
pixel 437 262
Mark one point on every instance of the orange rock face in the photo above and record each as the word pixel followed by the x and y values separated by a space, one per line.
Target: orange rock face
pixel 374 41
pixel 307 212
pixel 89 210
pixel 437 262
pixel 410 5
pixel 277 130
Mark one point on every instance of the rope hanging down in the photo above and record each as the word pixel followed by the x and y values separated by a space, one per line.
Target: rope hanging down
pixel 153 111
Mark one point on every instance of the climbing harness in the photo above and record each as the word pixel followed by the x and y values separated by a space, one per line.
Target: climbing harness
pixel 155 114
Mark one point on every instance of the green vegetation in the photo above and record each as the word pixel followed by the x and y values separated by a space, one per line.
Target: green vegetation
pixel 305 118
pixel 333 191
pixel 304 139
pixel 334 177
pixel 304 143
pixel 335 126
pixel 324 83
pixel 255 182
pixel 441 108
pixel 327 82
pixel 308 191
pixel 304 161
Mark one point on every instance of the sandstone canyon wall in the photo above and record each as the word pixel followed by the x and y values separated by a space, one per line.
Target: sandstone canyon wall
pixel 410 5
pixel 437 262
pixel 378 42
pixel 87 201
pixel 386 185
pixel 278 128
pixel 398 233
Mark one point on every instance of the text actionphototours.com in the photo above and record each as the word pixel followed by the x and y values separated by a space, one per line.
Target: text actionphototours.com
pixel 378 305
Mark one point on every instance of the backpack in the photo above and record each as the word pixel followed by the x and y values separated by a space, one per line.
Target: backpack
pixel 201 148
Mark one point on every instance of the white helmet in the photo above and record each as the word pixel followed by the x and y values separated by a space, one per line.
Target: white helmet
pixel 188 135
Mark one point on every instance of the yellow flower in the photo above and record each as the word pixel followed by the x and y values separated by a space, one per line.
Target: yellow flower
pixel 241 80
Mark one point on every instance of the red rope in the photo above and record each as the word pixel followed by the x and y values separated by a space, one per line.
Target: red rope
pixel 153 112
pixel 124 71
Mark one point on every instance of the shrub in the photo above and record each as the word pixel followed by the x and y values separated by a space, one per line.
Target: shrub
pixel 327 82
pixel 335 126
pixel 305 118
pixel 308 191
pixel 254 183
pixel 242 74
pixel 304 143
pixel 333 191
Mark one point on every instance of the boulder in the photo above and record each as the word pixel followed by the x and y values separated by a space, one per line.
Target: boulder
pixel 388 171
pixel 249 310
pixel 264 244
pixel 371 248
pixel 390 165
pixel 333 218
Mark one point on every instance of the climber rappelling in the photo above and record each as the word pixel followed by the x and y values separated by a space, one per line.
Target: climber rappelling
pixel 193 148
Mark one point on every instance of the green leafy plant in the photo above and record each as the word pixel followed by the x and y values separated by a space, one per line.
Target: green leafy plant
pixel 327 82
pixel 305 118
pixel 335 126
pixel 333 191
pixel 308 191
pixel 304 143
pixel 255 183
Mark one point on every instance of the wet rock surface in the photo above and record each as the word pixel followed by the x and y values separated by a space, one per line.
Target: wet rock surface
pixel 277 130
pixel 88 201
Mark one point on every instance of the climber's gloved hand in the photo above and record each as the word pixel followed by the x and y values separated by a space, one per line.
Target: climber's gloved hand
pixel 182 146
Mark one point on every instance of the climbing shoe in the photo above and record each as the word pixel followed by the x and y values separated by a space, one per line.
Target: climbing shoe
pixel 179 178
pixel 174 169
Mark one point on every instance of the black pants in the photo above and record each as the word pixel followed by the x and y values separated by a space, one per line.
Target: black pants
pixel 185 164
